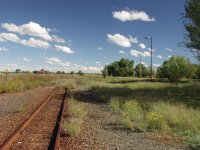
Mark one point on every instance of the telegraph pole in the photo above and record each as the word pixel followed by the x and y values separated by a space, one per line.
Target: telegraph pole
pixel 140 68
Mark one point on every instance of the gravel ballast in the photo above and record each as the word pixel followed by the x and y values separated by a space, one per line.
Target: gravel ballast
pixel 16 107
pixel 101 130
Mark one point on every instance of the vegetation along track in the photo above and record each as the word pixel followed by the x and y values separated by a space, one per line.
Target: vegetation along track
pixel 41 129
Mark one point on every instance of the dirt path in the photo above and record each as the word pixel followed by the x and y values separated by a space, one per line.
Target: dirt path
pixel 101 131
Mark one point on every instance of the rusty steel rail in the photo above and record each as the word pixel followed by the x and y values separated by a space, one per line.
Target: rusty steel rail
pixel 12 138
pixel 55 140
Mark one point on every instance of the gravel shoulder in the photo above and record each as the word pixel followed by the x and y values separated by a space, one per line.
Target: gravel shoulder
pixel 102 131
pixel 16 107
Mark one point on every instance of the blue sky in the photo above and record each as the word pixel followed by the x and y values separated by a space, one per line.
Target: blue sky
pixel 85 34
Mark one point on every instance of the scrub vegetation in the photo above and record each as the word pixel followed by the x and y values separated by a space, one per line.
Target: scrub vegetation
pixel 144 105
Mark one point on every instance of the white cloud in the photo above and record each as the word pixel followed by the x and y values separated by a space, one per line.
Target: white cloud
pixel 159 56
pixel 35 43
pixel 156 65
pixel 27 59
pixel 146 54
pixel 133 40
pixel 9 37
pixel 64 49
pixel 168 49
pixel 121 40
pixel 13 67
pixel 57 61
pixel 58 39
pixel 122 52
pixel 142 46
pixel 169 56
pixel 127 15
pixel 69 66
pixel 31 28
pixel 100 48
pixel 54 60
pixel 136 53
pixel 97 62
pixel 3 49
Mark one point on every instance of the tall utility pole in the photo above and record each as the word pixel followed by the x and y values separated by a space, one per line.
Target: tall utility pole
pixel 105 66
pixel 44 61
pixel 151 72
pixel 140 68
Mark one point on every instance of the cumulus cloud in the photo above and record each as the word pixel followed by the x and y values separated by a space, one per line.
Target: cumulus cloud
pixel 53 60
pixel 27 59
pixel 169 56
pixel 100 48
pixel 122 52
pixel 31 28
pixel 3 49
pixel 168 49
pixel 13 67
pixel 64 49
pixel 142 46
pixel 146 54
pixel 32 42
pixel 97 62
pixel 133 40
pixel 121 40
pixel 128 15
pixel 9 37
pixel 58 39
pixel 159 56
pixel 35 43
pixel 156 65
pixel 69 66
pixel 136 53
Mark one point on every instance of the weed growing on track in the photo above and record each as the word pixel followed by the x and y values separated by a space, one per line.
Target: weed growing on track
pixel 21 108
pixel 72 127
pixel 76 112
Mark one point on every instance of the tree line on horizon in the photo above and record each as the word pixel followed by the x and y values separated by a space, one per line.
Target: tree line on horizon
pixel 174 69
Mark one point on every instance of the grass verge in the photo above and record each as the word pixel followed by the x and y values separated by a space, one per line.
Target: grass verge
pixel 76 113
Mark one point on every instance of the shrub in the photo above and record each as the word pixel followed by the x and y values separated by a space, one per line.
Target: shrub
pixel 132 109
pixel 115 104
pixel 81 73
pixel 126 121
pixel 75 110
pixel 72 127
pixel 154 121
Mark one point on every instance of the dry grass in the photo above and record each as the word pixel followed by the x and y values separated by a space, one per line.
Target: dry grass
pixel 76 112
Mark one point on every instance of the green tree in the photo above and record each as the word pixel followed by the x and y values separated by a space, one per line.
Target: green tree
pixel 196 69
pixel 104 72
pixel 191 21
pixel 72 72
pixel 124 68
pixel 176 68
pixel 80 72
pixel 17 70
pixel 144 70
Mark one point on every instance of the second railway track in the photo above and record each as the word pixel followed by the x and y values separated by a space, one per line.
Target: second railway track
pixel 41 131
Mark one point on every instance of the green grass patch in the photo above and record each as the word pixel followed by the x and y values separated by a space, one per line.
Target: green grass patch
pixel 75 110
pixel 76 114
pixel 21 108
pixel 72 127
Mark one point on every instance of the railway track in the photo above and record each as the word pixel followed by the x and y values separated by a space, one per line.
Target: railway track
pixel 41 129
